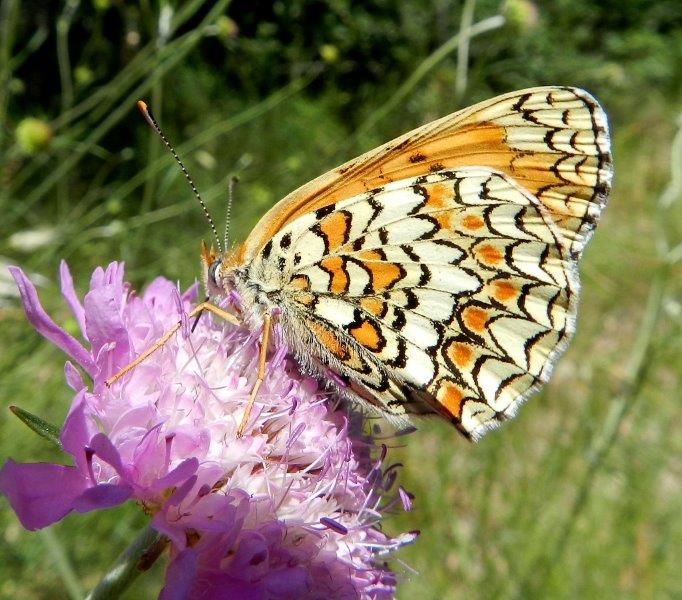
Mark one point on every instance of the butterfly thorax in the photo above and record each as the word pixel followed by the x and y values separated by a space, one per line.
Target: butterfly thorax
pixel 255 297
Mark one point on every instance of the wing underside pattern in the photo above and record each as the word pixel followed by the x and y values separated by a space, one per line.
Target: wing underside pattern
pixel 449 293
pixel 437 273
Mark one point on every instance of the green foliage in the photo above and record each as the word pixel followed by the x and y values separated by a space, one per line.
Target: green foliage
pixel 46 430
pixel 578 496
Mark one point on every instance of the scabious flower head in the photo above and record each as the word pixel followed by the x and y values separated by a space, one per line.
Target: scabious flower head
pixel 289 510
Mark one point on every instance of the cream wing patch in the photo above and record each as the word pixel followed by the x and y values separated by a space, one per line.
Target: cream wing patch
pixel 452 291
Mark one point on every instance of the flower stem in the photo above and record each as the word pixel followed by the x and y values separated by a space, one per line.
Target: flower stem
pixel 136 558
pixel 62 563
pixel 424 68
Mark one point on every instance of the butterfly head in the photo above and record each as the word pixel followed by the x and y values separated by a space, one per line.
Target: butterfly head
pixel 217 268
pixel 211 262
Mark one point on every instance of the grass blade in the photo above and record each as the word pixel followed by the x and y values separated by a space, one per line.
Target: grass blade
pixel 62 563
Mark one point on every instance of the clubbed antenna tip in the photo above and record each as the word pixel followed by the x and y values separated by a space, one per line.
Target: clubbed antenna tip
pixel 147 114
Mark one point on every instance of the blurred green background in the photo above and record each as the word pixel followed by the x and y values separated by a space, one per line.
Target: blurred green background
pixel 579 496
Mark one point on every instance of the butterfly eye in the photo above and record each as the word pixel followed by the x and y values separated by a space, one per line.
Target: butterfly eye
pixel 213 271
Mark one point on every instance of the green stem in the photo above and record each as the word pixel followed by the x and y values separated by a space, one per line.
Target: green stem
pixel 637 370
pixel 64 567
pixel 66 80
pixel 101 101
pixel 429 63
pixel 136 558
pixel 213 131
pixel 463 48
pixel 43 428
pixel 171 59
pixel 63 59
pixel 154 147
pixel 9 11
pixel 603 441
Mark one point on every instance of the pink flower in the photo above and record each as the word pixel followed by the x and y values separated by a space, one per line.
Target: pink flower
pixel 289 510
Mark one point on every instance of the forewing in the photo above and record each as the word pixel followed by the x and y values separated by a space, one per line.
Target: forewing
pixel 552 141
pixel 452 292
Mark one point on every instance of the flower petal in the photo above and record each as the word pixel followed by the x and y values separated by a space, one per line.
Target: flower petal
pixel 40 493
pixel 184 321
pixel 239 512
pixel 73 377
pixel 405 498
pixel 191 292
pixel 181 473
pixel 220 586
pixel 77 431
pixel 104 495
pixel 45 326
pixel 251 557
pixel 180 576
pixel 105 327
pixel 69 293
pixel 293 582
pixel 105 450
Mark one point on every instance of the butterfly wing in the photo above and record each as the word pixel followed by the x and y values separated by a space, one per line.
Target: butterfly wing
pixel 437 273
pixel 552 141
pixel 451 292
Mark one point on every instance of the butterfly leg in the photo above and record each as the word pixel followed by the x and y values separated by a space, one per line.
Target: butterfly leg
pixel 229 317
pixel 196 321
pixel 267 321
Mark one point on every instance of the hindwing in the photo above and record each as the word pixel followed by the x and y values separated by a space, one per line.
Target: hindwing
pixel 451 292
pixel 437 273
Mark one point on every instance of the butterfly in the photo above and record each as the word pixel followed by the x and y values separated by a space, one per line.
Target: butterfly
pixel 436 274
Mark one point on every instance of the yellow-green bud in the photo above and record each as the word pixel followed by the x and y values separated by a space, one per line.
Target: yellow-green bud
pixel 520 14
pixel 33 135
pixel 226 27
pixel 83 75
pixel 329 53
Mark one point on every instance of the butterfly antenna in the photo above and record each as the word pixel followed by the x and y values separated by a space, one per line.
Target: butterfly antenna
pixel 147 114
pixel 228 211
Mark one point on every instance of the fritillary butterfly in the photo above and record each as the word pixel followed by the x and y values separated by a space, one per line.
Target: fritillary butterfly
pixel 437 273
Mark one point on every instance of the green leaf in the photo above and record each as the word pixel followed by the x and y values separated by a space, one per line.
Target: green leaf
pixel 44 429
